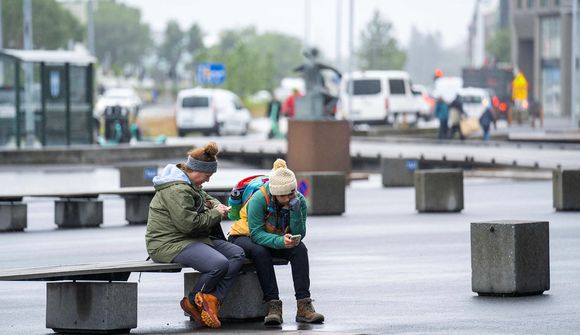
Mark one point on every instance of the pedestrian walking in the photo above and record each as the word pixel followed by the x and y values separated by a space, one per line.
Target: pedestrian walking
pixel 456 114
pixel 184 227
pixel 274 109
pixel 442 114
pixel 485 121
pixel 273 224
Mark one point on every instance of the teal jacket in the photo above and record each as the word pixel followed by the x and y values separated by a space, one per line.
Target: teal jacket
pixel 265 223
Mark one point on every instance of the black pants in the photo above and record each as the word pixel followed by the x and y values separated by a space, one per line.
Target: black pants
pixel 262 258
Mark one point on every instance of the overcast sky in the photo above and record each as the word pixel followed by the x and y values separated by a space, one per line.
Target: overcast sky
pixel 450 17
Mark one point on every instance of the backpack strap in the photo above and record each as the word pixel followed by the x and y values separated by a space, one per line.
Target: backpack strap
pixel 263 189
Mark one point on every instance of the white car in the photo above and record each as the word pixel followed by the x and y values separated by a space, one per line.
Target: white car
pixel 124 97
pixel 475 101
pixel 377 97
pixel 210 110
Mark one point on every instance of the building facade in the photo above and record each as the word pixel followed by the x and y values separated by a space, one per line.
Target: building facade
pixel 542 50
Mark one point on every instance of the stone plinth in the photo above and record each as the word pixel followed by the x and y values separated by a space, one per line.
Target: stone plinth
pixel 137 207
pixel 398 171
pixel 137 175
pixel 510 258
pixel 244 300
pixel 324 192
pixel 12 216
pixel 91 307
pixel 78 212
pixel 315 146
pixel 439 190
pixel 566 190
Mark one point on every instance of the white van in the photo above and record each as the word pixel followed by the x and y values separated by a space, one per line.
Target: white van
pixel 377 97
pixel 475 101
pixel 210 111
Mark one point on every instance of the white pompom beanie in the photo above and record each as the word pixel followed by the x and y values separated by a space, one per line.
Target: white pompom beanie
pixel 282 179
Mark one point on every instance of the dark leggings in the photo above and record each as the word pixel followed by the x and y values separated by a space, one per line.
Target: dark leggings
pixel 218 264
pixel 262 258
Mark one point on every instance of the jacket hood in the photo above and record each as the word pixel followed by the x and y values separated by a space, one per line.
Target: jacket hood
pixel 170 175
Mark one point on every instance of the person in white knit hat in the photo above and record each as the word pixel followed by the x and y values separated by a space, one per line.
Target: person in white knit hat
pixel 273 224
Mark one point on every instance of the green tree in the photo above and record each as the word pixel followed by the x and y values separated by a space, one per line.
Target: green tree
pixel 194 39
pixel 499 45
pixel 120 37
pixel 53 26
pixel 172 47
pixel 379 50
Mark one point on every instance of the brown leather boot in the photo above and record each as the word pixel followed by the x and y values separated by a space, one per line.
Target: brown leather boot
pixel 191 310
pixel 274 317
pixel 209 305
pixel 306 312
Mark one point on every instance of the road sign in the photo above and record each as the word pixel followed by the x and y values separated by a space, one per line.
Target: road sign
pixel 520 88
pixel 211 73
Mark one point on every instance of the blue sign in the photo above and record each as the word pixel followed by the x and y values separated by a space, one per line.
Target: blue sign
pixel 149 173
pixel 211 73
pixel 411 165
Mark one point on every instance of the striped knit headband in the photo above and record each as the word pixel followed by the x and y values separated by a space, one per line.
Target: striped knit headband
pixel 201 166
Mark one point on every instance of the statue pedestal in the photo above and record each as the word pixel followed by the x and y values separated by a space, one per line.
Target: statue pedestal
pixel 319 146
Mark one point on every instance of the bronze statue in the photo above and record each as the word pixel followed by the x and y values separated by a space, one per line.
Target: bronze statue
pixel 318 98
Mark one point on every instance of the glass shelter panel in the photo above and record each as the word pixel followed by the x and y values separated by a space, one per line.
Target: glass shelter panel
pixel 7 101
pixel 80 107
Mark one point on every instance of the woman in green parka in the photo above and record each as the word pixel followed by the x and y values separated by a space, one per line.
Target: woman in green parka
pixel 182 217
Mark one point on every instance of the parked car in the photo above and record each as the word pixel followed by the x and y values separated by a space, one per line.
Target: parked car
pixel 377 97
pixel 121 96
pixel 475 101
pixel 210 111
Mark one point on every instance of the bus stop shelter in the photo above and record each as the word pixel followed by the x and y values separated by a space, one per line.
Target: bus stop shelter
pixel 46 98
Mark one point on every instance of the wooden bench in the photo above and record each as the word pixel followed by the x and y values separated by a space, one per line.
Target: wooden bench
pixel 84 209
pixel 97 298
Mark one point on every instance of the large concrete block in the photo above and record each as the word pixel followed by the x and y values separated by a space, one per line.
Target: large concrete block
pixel 324 192
pixel 319 146
pixel 510 258
pixel 137 207
pixel 91 307
pixel 12 216
pixel 439 190
pixel 398 171
pixel 137 175
pixel 78 213
pixel 244 300
pixel 566 190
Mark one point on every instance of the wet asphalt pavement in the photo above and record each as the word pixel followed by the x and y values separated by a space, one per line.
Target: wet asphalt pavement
pixel 381 268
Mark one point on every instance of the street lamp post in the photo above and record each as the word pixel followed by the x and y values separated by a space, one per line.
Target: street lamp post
pixel 574 62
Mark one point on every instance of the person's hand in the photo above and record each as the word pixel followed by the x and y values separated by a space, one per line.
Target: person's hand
pixel 223 209
pixel 288 243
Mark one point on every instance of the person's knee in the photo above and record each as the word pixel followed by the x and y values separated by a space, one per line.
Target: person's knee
pixel 301 249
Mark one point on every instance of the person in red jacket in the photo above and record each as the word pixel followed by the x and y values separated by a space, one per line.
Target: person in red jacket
pixel 289 106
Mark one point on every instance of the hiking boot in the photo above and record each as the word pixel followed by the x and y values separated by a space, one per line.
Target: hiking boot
pixel 209 305
pixel 274 317
pixel 191 310
pixel 306 312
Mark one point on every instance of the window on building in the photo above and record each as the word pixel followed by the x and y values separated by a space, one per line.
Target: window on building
pixel 550 37
pixel 530 3
pixel 557 2
pixel 543 3
pixel 520 4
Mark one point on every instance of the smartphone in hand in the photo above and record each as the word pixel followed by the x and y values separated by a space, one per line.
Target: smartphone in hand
pixel 296 237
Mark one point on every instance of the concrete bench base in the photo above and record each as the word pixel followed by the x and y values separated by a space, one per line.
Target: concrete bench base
pixel 324 192
pixel 137 207
pixel 78 212
pixel 91 307
pixel 439 190
pixel 12 216
pixel 510 258
pixel 244 301
pixel 565 185
pixel 397 172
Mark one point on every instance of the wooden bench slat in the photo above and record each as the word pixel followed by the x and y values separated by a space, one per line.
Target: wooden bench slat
pixel 60 271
